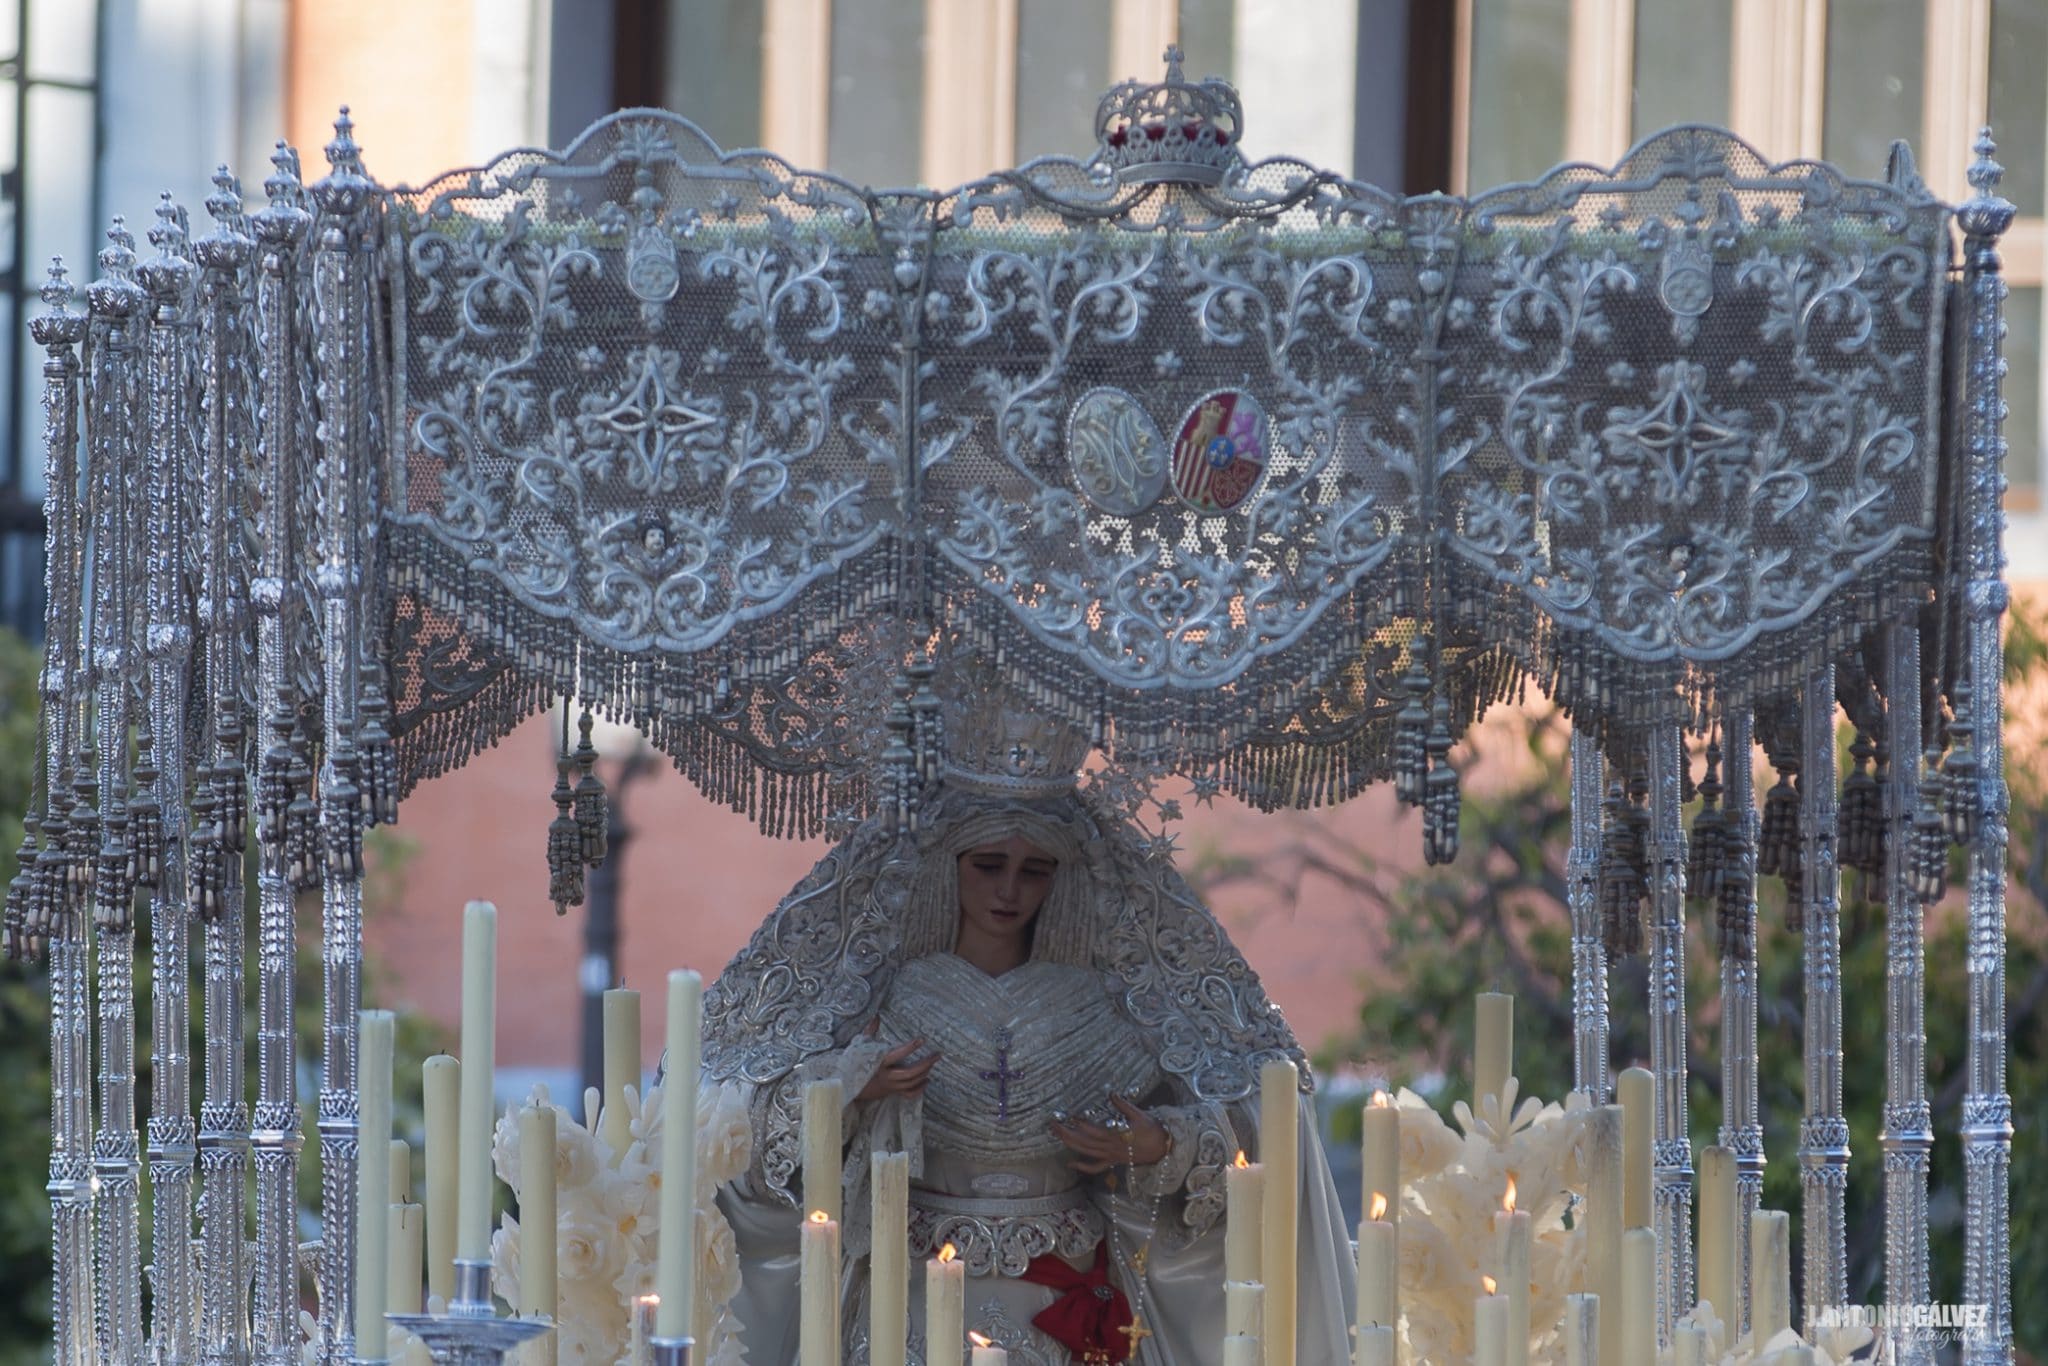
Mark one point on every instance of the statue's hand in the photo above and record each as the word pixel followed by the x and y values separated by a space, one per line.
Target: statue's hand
pixel 898 1076
pixel 1098 1147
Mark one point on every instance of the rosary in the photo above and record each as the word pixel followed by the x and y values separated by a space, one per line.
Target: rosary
pixel 1135 1331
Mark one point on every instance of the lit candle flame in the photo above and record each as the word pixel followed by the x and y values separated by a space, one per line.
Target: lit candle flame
pixel 819 1216
pixel 1488 1282
pixel 979 1340
pixel 1507 1202
pixel 946 1253
pixel 1379 1099
pixel 651 1301
pixel 1240 1159
pixel 1379 1206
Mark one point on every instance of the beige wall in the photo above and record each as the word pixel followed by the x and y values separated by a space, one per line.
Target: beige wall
pixel 403 69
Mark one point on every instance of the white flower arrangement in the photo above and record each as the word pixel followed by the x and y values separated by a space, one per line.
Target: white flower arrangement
pixel 608 1223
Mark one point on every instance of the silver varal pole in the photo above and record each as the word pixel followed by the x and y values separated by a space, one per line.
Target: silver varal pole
pixel 1671 1148
pixel 1987 1108
pixel 1590 1069
pixel 1742 1130
pixel 1823 1132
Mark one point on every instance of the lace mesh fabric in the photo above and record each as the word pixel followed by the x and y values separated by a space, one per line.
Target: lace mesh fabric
pixel 1659 440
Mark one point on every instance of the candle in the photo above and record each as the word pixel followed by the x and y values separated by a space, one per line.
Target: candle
pixel 1242 1349
pixel 1603 1211
pixel 1380 1155
pixel 1581 1330
pixel 407 1231
pixel 675 1274
pixel 1244 1190
pixel 401 1170
pixel 945 1304
pixel 818 1291
pixel 1493 1045
pixel 1490 1329
pixel 1375 1345
pixel 889 1262
pixel 1378 1267
pixel 644 1307
pixel 537 1210
pixel 1770 1275
pixel 373 1123
pixel 1689 1345
pixel 1717 1261
pixel 479 1043
pixel 621 1068
pixel 986 1353
pixel 1244 1309
pixel 1279 1154
pixel 1513 1235
pixel 440 1083
pixel 824 1103
pixel 1636 1087
pixel 1639 1295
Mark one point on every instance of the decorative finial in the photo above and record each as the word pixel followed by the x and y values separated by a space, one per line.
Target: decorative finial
pixel 344 188
pixel 228 246
pixel 60 326
pixel 118 258
pixel 1985 214
pixel 1173 62
pixel 167 274
pixel 115 294
pixel 224 205
pixel 172 227
pixel 283 184
pixel 58 290
pixel 342 152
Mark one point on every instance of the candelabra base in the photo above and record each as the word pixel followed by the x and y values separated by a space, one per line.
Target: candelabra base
pixel 471 1333
pixel 672 1351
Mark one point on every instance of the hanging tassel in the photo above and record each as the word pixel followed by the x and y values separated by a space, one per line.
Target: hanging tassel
pixel 565 846
pixel 897 766
pixel 274 797
pixel 1777 846
pixel 379 753
pixel 592 807
pixel 21 892
pixel 1959 774
pixel 1862 816
pixel 1930 835
pixel 1411 730
pixel 1440 809
pixel 341 819
pixel 302 816
pixel 1736 901
pixel 203 850
pixel 1706 856
pixel 145 816
pixel 1621 878
pixel 113 888
pixel 231 783
pixel 50 897
pixel 84 823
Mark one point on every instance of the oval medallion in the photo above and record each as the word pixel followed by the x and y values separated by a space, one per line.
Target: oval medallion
pixel 1220 451
pixel 1115 451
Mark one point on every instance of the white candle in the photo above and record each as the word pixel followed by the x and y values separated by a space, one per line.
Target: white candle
pixel 440 1084
pixel 945 1306
pixel 818 1292
pixel 1279 1154
pixel 1513 1235
pixel 1639 1295
pixel 374 1030
pixel 675 1274
pixel 824 1146
pixel 889 1262
pixel 986 1353
pixel 1636 1088
pixel 1244 1190
pixel 1604 1209
pixel 1493 1045
pixel 1380 1155
pixel 1717 1261
pixel 537 1210
pixel 1770 1275
pixel 1375 1345
pixel 621 1068
pixel 1244 1309
pixel 641 1329
pixel 1490 1331
pixel 1689 1345
pixel 1242 1349
pixel 1581 1330
pixel 479 1045
pixel 407 1230
pixel 401 1170
pixel 1378 1268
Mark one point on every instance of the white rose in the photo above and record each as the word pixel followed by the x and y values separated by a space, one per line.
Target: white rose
pixel 505 1261
pixel 576 1161
pixel 580 1247
pixel 1428 1145
pixel 725 1136
pixel 718 1265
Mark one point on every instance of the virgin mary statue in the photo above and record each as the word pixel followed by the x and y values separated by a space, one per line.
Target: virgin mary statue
pixel 1027 999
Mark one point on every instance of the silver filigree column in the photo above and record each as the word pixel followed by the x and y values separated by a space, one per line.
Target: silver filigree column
pixel 1823 1132
pixel 1987 1108
pixel 1671 1146
pixel 59 331
pixel 1591 1071
pixel 340 289
pixel 1908 1132
pixel 1742 1130
pixel 280 230
pixel 173 1133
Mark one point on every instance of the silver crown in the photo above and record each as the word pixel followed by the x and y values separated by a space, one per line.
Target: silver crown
pixel 995 744
pixel 1176 131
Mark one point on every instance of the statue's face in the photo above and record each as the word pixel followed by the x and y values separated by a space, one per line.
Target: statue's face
pixel 1003 884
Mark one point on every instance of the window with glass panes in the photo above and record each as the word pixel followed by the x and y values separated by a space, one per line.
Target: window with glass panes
pixel 49 57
